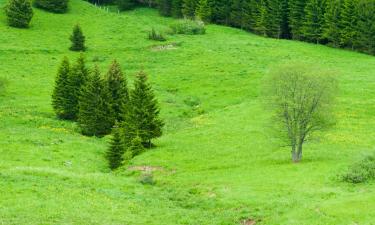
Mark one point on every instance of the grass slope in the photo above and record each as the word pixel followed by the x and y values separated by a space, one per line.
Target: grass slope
pixel 221 163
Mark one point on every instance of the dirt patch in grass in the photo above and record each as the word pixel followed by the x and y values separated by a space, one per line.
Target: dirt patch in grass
pixel 248 222
pixel 146 168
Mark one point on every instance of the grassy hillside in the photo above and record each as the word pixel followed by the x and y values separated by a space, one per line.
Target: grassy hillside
pixel 217 162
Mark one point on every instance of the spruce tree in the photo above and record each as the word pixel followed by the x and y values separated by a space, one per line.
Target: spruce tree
pixel 19 13
pixel 77 78
pixel 56 6
pixel 176 8
pixel 188 8
pixel 78 39
pixel 143 117
pixel 164 7
pixel 365 40
pixel 348 23
pixel 60 95
pixel 240 14
pixel 332 25
pixel 118 88
pixel 262 18
pixel 284 20
pixel 126 4
pixel 314 20
pixel 296 17
pixel 220 11
pixel 95 114
pixel 136 147
pixel 203 11
pixel 274 18
pixel 116 150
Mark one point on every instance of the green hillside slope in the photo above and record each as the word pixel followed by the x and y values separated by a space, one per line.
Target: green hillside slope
pixel 217 162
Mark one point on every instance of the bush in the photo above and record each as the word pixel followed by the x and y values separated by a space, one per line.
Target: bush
pixel 147 179
pixel 361 171
pixel 126 4
pixel 156 36
pixel 56 6
pixel 191 27
pixel 19 13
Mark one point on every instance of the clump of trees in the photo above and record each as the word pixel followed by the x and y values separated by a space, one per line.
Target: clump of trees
pixel 78 39
pixel 301 99
pixel 56 6
pixel 104 104
pixel 19 13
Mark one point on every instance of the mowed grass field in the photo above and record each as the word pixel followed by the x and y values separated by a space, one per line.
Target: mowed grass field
pixel 218 162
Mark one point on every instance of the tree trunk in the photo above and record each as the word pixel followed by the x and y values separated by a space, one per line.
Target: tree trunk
pixel 297 155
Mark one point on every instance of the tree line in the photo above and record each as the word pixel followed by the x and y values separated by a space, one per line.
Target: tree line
pixel 338 23
pixel 101 105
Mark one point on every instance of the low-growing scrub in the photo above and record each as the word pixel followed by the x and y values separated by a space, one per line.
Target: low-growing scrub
pixel 191 27
pixel 156 36
pixel 362 171
pixel 56 6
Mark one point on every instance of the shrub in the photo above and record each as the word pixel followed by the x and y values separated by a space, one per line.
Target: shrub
pixel 126 4
pixel 362 171
pixel 56 6
pixel 147 179
pixel 156 36
pixel 19 13
pixel 191 27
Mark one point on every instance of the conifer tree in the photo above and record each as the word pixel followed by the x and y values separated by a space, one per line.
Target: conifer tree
pixel 348 22
pixel 116 150
pixel 78 39
pixel 203 11
pixel 176 8
pixel 365 40
pixel 284 20
pixel 262 18
pixel 240 14
pixel 77 78
pixel 332 25
pixel 56 6
pixel 19 13
pixel 118 88
pixel 314 20
pixel 143 117
pixel 126 4
pixel 220 11
pixel 188 8
pixel 164 7
pixel 136 147
pixel 95 114
pixel 60 95
pixel 296 17
pixel 274 18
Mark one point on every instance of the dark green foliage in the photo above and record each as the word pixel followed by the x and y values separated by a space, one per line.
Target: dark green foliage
pixel 262 18
pixel 136 146
pixel 116 150
pixel 126 4
pixel 56 6
pixel 95 114
pixel 240 14
pixel 78 77
pixel 118 88
pixel 296 17
pixel 176 8
pixel 361 171
pixel 191 27
pixel 332 25
pixel 348 23
pixel 78 39
pixel 19 13
pixel 314 20
pixel 188 8
pixel 220 10
pixel 143 116
pixel 61 92
pixel 147 179
pixel 164 7
pixel 156 36
pixel 366 26
pixel 203 11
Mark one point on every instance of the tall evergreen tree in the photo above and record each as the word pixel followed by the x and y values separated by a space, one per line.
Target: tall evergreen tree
pixel 118 88
pixel 274 18
pixel 164 7
pixel 116 150
pixel 348 22
pixel 60 95
pixel 332 22
pixel 240 14
pixel 220 11
pixel 19 13
pixel 262 18
pixel 95 114
pixel 78 39
pixel 143 117
pixel 188 8
pixel 126 4
pixel 366 26
pixel 284 20
pixel 77 78
pixel 176 8
pixel 296 17
pixel 314 20
pixel 203 11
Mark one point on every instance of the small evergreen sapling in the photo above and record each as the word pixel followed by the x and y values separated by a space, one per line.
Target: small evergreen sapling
pixel 61 94
pixel 78 39
pixel 19 13
pixel 116 150
pixel 95 114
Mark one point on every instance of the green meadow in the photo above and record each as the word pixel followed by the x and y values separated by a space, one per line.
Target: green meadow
pixel 218 161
